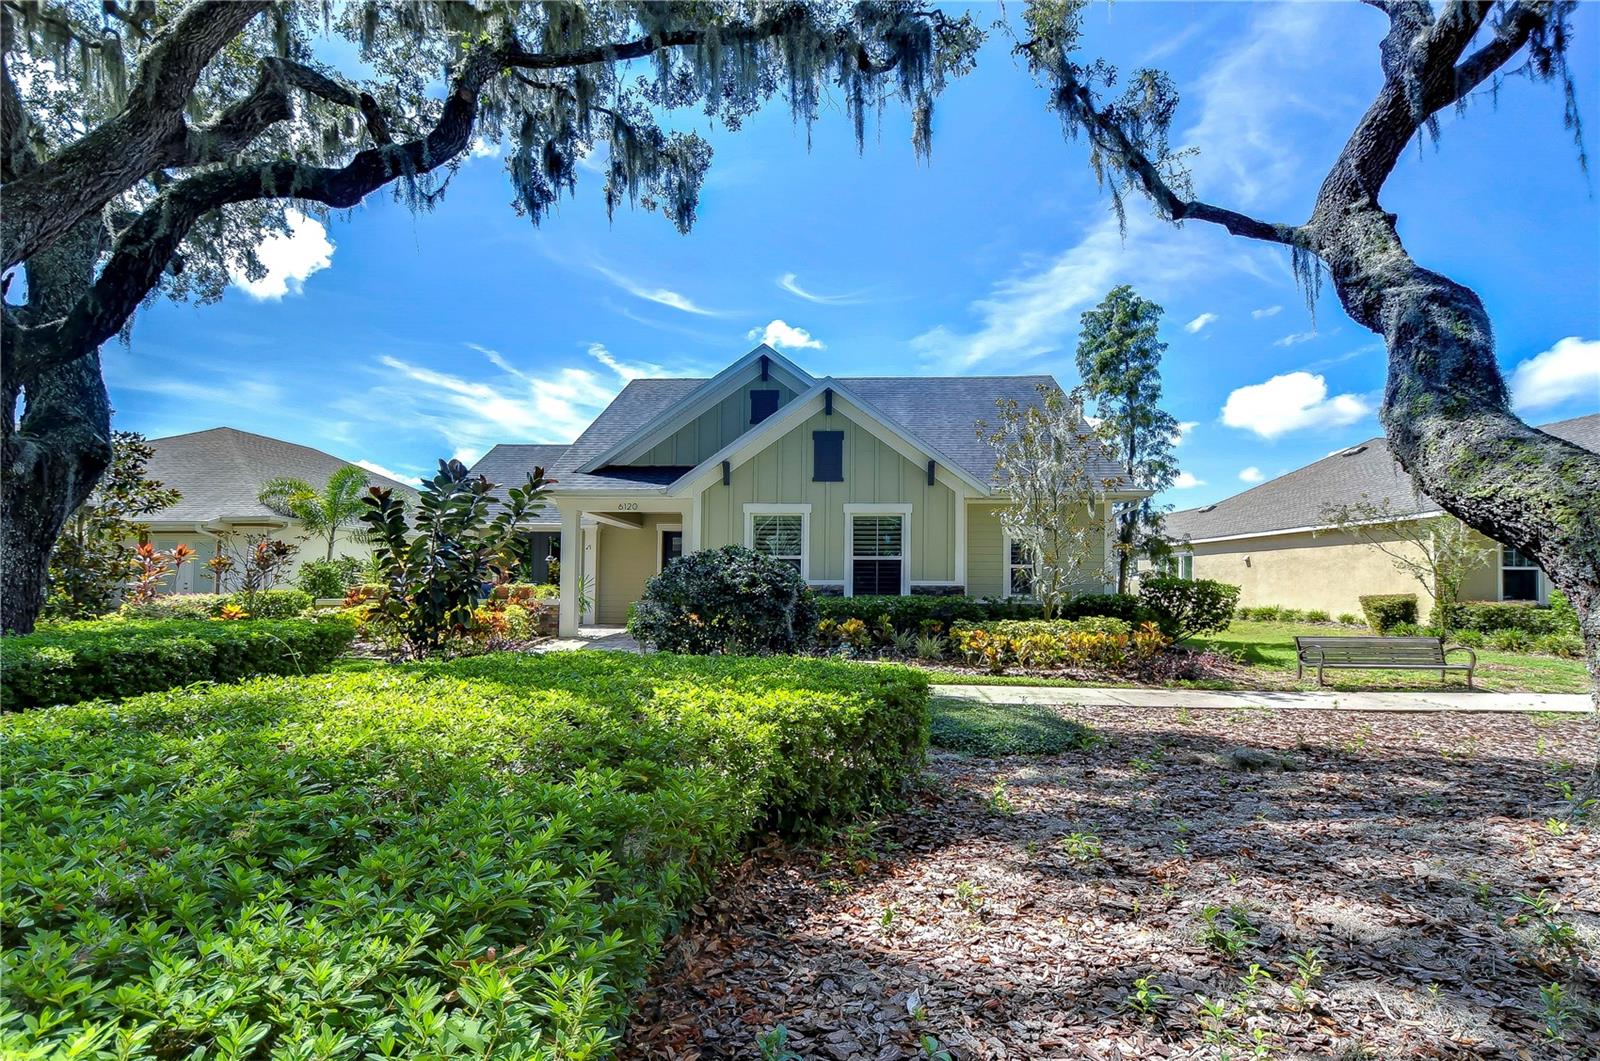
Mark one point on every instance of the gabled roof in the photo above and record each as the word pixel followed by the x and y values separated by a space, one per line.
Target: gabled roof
pixel 941 412
pixel 510 464
pixel 1295 501
pixel 221 471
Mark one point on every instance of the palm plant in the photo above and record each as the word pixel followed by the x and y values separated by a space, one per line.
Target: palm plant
pixel 324 511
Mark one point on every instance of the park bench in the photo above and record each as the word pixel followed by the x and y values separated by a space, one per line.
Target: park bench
pixel 1379 653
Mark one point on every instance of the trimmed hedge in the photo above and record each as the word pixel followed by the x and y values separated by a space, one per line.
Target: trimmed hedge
pixel 1489 616
pixel 1386 610
pixel 909 614
pixel 115 658
pixel 265 604
pixel 406 862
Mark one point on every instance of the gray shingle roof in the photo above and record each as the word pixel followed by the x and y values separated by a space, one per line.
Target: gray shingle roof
pixel 508 465
pixel 221 471
pixel 942 411
pixel 1297 499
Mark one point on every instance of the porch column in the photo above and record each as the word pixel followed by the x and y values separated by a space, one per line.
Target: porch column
pixel 571 564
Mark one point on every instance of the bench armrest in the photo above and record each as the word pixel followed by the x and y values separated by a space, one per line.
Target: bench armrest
pixel 1309 655
pixel 1472 664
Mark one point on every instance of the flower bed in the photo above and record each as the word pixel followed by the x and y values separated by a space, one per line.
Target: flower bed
pixel 488 851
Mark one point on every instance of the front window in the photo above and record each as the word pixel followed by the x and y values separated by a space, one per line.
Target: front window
pixel 1019 569
pixel 781 537
pixel 877 555
pixel 1519 575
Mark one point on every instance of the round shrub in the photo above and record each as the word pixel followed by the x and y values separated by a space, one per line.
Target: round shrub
pixel 731 600
pixel 1184 607
pixel 1385 610
pixel 323 579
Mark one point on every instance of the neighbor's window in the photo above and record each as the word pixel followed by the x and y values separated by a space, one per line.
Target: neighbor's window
pixel 827 464
pixel 1519 575
pixel 877 554
pixel 781 537
pixel 1019 569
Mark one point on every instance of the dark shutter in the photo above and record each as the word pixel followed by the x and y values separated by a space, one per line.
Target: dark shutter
pixel 827 465
pixel 762 405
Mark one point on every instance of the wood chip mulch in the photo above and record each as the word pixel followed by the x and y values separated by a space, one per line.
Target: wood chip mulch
pixel 1442 871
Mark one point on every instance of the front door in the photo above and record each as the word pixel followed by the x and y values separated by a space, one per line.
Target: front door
pixel 671 546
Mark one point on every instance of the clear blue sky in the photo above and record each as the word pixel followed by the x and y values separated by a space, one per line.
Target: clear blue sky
pixel 394 339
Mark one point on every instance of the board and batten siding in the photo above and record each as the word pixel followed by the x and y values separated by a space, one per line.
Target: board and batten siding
pixel 986 559
pixel 874 472
pixel 712 429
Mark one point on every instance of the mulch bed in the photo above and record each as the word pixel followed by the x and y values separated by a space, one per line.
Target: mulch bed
pixel 1397 846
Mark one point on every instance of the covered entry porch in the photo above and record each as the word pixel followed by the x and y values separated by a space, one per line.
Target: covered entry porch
pixel 617 543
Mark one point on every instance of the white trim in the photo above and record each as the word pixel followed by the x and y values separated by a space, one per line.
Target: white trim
pixel 753 509
pixel 661 545
pixel 961 542
pixel 748 445
pixel 903 510
pixel 704 398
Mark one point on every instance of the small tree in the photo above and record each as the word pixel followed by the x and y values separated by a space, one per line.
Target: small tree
pixel 1437 551
pixel 324 511
pixel 1119 358
pixel 1044 464
pixel 436 568
pixel 94 557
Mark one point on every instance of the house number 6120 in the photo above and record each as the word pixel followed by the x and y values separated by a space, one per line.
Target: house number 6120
pixel 627 506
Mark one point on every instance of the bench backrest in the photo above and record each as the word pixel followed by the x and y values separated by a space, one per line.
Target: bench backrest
pixel 1366 649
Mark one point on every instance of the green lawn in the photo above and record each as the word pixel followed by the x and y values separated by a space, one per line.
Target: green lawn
pixel 1267 648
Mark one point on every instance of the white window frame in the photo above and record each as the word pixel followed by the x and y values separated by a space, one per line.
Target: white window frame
pixel 754 509
pixel 854 510
pixel 1006 566
pixel 1540 591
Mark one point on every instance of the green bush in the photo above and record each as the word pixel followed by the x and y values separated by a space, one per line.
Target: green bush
pixel 1384 610
pixel 1567 646
pixel 464 859
pixel 1290 615
pixel 1183 607
pixel 730 600
pixel 1489 616
pixel 1349 619
pixel 175 606
pixel 1467 638
pixel 272 603
pixel 1509 639
pixel 1407 630
pixel 323 579
pixel 1098 642
pixel 1317 615
pixel 115 658
pixel 911 614
pixel 1564 614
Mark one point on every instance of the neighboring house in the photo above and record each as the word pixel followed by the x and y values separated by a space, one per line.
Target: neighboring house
pixel 1273 542
pixel 220 474
pixel 869 485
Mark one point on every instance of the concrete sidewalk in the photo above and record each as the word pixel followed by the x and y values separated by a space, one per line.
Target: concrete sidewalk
pixel 1201 699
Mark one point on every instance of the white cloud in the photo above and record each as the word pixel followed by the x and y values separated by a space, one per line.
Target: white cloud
pixel 791 283
pixel 1295 339
pixel 288 258
pixel 378 469
pixel 1290 402
pixel 1186 481
pixel 660 295
pixel 1569 369
pixel 624 369
pixel 1199 322
pixel 514 405
pixel 1251 474
pixel 782 336
pixel 1035 311
pixel 1268 311
pixel 1184 427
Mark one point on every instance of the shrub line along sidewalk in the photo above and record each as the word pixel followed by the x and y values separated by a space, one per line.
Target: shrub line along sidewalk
pixel 1199 699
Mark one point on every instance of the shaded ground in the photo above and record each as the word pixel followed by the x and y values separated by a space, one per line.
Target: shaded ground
pixel 1411 886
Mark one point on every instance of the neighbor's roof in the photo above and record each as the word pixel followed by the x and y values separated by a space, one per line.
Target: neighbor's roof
pixel 510 464
pixel 1296 501
pixel 941 411
pixel 220 472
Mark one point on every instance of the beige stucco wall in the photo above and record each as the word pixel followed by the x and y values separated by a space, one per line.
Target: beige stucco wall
pixel 986 561
pixel 626 562
pixel 1328 571
pixel 874 472
pixel 712 429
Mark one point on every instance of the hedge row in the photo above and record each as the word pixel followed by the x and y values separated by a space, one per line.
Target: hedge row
pixel 908 614
pixel 474 857
pixel 265 604
pixel 115 658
